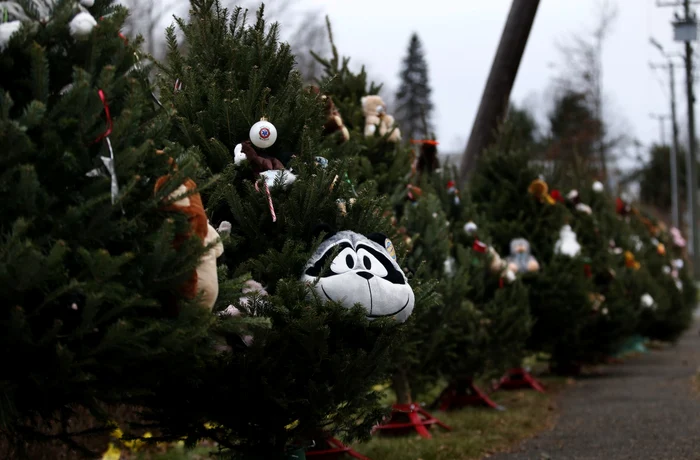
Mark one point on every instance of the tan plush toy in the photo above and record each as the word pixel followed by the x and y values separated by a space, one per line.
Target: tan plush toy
pixel 204 280
pixel 374 110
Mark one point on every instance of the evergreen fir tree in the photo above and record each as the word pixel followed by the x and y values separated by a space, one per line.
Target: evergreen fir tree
pixel 559 291
pixel 313 370
pixel 380 165
pixel 476 330
pixel 414 106
pixel 89 271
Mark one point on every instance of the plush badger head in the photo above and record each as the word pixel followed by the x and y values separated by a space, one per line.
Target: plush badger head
pixel 350 268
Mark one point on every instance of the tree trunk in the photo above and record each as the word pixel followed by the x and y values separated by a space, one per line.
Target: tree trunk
pixel 402 387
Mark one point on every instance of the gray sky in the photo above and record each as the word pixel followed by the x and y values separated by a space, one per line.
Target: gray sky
pixel 460 39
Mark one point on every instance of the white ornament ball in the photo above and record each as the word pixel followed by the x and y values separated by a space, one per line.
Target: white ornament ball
pixel 470 227
pixel 598 187
pixel 263 134
pixel 87 3
pixel 81 25
pixel 8 29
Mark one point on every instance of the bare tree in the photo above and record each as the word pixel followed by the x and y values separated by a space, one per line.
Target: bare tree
pixel 149 19
pixel 583 73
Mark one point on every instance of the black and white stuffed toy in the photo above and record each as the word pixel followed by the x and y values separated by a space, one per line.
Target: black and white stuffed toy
pixel 363 270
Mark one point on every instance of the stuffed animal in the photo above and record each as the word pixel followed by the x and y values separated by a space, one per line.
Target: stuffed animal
pixel 567 244
pixel 351 269
pixel 375 114
pixel 520 259
pixel 334 122
pixel 204 279
pixel 260 162
pixel 500 266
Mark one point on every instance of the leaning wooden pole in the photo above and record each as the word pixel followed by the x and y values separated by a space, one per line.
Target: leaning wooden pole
pixel 494 100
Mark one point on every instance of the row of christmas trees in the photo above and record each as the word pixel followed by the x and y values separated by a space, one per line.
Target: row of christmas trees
pixel 229 254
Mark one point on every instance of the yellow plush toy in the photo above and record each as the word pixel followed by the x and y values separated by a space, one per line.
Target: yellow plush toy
pixel 374 110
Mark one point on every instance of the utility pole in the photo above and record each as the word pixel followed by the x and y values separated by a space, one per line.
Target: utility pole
pixel 662 131
pixel 496 96
pixel 685 30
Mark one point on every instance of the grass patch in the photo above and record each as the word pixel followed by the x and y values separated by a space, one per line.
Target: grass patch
pixel 476 432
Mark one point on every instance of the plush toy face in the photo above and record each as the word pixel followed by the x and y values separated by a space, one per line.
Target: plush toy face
pixel 361 270
pixel 373 105
pixel 519 246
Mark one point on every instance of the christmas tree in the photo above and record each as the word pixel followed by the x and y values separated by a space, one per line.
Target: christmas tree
pixel 103 277
pixel 525 220
pixel 242 103
pixel 476 330
pixel 485 322
pixel 413 104
pixel 382 162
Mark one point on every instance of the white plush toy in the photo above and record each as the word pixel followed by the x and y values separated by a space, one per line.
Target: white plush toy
pixel 567 244
pixel 271 176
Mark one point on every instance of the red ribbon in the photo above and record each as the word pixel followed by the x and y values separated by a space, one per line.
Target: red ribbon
pixel 109 118
pixel 424 141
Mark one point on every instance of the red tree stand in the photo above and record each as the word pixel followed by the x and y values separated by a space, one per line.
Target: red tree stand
pixel 407 418
pixel 518 378
pixel 331 448
pixel 463 393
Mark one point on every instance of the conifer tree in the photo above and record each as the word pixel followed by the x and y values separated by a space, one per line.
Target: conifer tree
pixel 313 370
pixel 89 272
pixel 559 291
pixel 413 104
pixel 475 331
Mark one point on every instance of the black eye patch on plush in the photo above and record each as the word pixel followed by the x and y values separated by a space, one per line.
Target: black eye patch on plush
pixel 393 275
pixel 317 269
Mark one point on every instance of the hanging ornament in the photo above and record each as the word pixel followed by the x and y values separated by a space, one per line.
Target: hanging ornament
pixel 452 189
pixel 598 187
pixel 263 134
pixel 556 194
pixel 322 162
pixel 573 196
pixel 621 207
pixel 567 244
pixel 661 249
pixel 413 192
pixel 470 228
pixel 678 239
pixel 648 301
pixel 631 262
pixel 584 208
pixel 107 161
pixel 540 190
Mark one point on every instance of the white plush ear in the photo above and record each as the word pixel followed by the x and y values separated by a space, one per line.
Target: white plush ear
pixel 363 100
pixel 213 235
pixel 238 155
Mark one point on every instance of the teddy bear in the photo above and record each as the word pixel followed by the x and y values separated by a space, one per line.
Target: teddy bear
pixel 520 258
pixel 374 110
pixel 204 279
pixel 334 122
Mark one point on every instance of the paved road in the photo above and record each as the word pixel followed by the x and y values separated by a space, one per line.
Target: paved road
pixel 642 409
